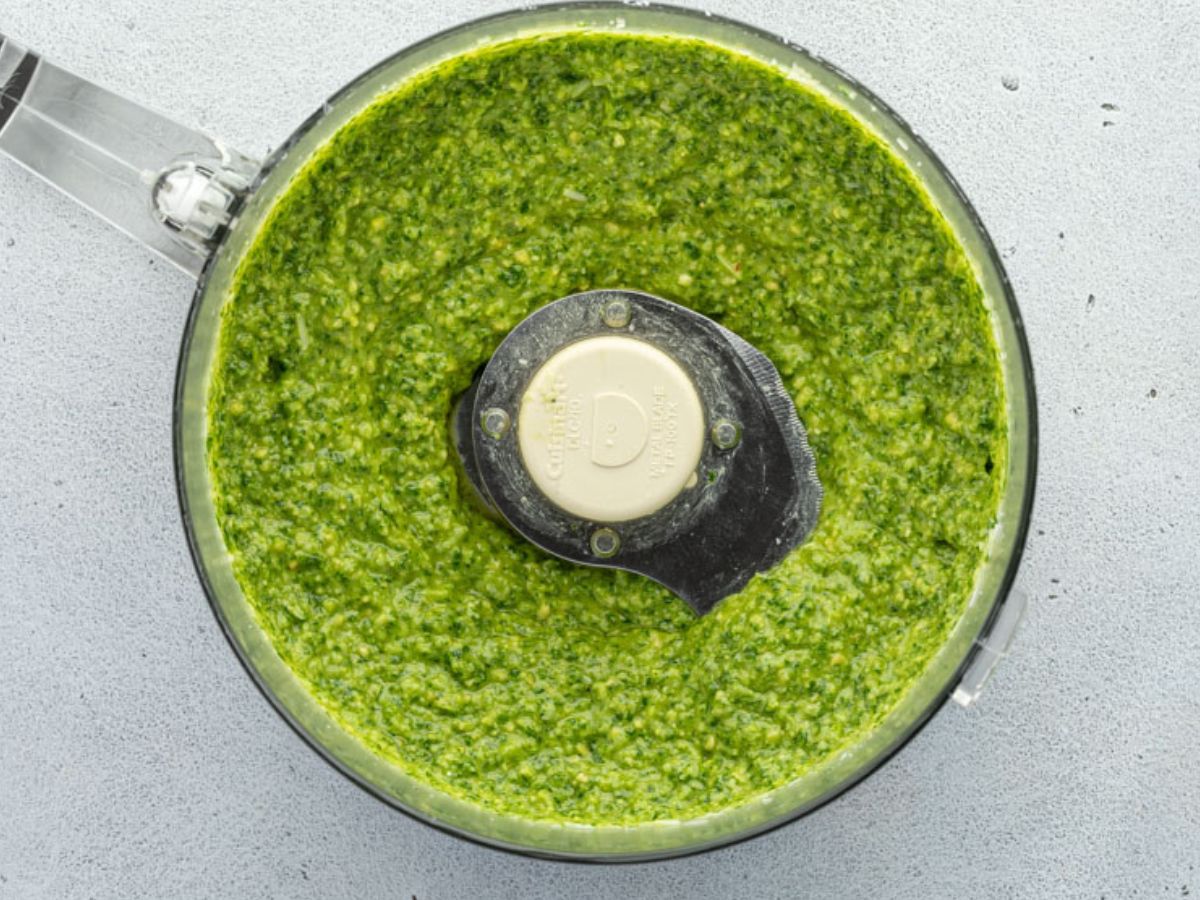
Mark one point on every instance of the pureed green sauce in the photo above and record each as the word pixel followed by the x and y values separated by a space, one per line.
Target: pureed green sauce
pixel 391 269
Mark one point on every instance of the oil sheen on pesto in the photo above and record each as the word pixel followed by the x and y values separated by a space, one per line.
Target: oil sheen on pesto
pixel 394 265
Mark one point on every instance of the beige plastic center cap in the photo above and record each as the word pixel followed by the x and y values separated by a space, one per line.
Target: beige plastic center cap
pixel 611 429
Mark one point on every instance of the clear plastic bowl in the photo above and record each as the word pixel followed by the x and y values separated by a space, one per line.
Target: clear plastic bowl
pixel 967 646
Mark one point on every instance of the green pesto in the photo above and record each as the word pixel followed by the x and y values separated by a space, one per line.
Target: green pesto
pixel 391 269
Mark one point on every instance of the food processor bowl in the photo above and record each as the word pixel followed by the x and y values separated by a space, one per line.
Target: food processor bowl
pixel 204 212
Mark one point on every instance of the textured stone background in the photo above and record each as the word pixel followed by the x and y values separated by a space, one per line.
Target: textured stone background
pixel 136 758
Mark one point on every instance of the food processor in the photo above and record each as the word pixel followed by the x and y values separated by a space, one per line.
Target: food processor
pixel 712 399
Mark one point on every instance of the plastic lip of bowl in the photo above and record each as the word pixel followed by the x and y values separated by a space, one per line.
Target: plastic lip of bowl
pixel 561 841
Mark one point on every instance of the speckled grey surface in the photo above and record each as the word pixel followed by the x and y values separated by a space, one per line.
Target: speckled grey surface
pixel 136 758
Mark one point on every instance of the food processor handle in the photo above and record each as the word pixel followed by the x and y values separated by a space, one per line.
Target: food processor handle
pixel 172 188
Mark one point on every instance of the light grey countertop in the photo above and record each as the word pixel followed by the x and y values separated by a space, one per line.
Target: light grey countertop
pixel 138 760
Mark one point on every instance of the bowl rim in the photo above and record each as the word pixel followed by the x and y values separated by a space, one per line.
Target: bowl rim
pixel 1020 346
